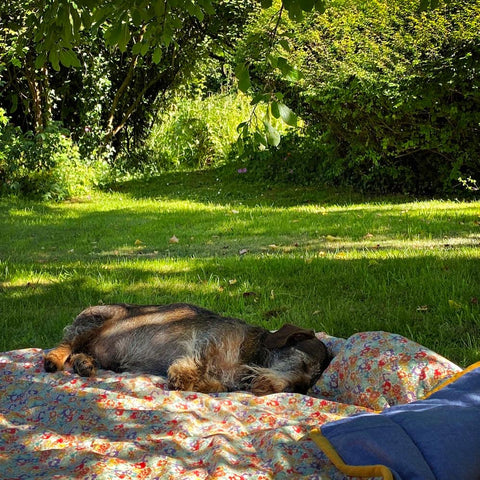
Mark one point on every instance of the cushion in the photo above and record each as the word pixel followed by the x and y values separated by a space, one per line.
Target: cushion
pixel 380 369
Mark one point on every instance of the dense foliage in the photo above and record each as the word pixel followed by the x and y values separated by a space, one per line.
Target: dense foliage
pixel 390 96
pixel 379 95
pixel 102 70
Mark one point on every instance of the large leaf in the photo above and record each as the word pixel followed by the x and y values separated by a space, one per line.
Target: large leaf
pixel 241 72
pixel 306 5
pixel 289 72
pixel 68 58
pixel 157 55
pixel 273 137
pixel 54 60
pixel 287 115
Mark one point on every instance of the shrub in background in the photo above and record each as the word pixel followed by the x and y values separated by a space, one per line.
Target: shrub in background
pixel 46 165
pixel 193 133
pixel 392 93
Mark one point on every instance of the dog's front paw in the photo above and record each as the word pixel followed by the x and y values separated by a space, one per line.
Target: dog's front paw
pixel 55 359
pixel 83 365
pixel 268 383
pixel 49 364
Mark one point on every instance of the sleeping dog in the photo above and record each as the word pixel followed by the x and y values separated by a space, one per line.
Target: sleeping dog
pixel 196 349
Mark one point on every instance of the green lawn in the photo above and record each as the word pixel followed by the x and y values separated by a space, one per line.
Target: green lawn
pixel 333 261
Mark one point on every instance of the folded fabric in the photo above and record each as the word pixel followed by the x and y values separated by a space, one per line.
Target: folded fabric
pixel 436 438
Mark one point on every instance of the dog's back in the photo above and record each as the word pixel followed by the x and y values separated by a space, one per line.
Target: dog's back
pixel 149 339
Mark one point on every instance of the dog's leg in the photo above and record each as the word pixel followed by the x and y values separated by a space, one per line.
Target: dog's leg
pixel 84 365
pixel 56 358
pixel 185 374
pixel 265 381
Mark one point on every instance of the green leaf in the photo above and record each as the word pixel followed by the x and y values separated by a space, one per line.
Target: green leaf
pixel 242 126
pixel 124 37
pixel 260 139
pixel 207 6
pixel 69 58
pixel 159 8
pixel 424 4
pixel 260 97
pixel 289 72
pixel 272 135
pixel 157 55
pixel 241 72
pixel 137 47
pixel 320 6
pixel 40 60
pixel 14 100
pixel 144 49
pixel 284 43
pixel 306 5
pixel 87 19
pixel 112 34
pixel 16 62
pixel 294 9
pixel 272 60
pixel 54 60
pixel 76 20
pixel 266 3
pixel 287 115
pixel 64 58
pixel 275 110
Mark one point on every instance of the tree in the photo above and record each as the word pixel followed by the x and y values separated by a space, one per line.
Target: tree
pixel 388 96
pixel 103 67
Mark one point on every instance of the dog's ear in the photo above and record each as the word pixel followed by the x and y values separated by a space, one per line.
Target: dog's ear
pixel 288 334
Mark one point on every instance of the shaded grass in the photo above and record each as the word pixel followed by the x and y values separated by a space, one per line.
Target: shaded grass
pixel 267 254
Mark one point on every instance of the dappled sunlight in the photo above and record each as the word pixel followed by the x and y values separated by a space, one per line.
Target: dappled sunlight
pixel 408 267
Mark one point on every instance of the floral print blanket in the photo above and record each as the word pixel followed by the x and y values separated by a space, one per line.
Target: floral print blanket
pixel 126 426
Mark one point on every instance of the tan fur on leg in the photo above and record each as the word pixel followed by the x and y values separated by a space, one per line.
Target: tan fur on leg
pixel 266 382
pixel 185 374
pixel 84 365
pixel 56 358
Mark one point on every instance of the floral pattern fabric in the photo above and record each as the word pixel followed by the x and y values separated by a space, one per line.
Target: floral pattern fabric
pixel 379 369
pixel 57 426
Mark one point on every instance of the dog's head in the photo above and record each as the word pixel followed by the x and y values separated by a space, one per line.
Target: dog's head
pixel 299 354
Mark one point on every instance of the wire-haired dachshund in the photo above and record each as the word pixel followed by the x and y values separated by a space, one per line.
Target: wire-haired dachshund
pixel 196 349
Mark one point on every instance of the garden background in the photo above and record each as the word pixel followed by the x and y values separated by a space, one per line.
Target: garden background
pixel 306 161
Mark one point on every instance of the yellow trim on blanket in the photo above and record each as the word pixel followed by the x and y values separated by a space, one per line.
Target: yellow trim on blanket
pixel 452 379
pixel 352 470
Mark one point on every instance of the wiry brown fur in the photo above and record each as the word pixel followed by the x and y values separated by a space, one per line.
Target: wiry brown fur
pixel 196 349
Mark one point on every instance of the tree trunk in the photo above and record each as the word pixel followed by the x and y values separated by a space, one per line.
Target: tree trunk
pixel 35 89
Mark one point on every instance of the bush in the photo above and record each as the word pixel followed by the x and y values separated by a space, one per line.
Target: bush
pixel 194 133
pixel 46 165
pixel 392 93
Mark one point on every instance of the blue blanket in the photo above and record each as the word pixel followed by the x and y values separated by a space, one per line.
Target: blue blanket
pixel 435 438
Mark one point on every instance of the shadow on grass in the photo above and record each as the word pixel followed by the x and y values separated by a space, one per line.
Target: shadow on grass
pixel 45 232
pixel 226 186
pixel 432 301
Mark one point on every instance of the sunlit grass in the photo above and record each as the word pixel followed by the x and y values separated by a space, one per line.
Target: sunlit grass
pixel 269 255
